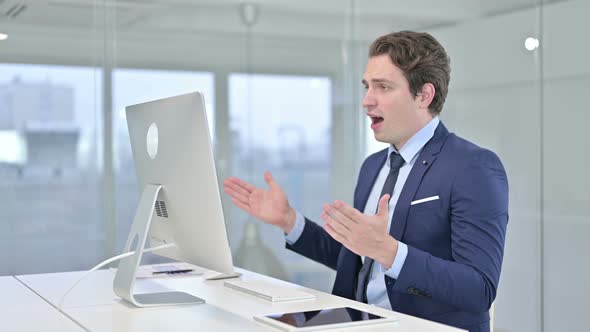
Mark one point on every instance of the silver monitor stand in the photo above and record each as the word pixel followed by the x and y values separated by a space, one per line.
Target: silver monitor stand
pixel 126 273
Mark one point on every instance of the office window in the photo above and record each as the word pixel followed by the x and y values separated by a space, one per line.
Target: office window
pixel 133 86
pixel 50 141
pixel 282 124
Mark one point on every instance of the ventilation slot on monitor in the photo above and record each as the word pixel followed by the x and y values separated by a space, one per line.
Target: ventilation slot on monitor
pixel 161 209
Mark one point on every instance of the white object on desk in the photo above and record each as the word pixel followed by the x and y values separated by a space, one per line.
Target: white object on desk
pixel 326 319
pixel 268 291
pixel 159 270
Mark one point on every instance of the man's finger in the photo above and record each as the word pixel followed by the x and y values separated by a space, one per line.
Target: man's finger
pixel 383 207
pixel 348 211
pixel 270 180
pixel 334 234
pixel 236 195
pixel 336 225
pixel 339 217
pixel 239 182
pixel 236 187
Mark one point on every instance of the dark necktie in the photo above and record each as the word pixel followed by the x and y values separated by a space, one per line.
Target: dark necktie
pixel 396 162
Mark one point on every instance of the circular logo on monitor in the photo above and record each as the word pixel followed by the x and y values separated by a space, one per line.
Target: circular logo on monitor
pixel 152 141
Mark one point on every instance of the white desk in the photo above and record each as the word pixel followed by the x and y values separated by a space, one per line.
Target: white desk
pixel 94 305
pixel 23 310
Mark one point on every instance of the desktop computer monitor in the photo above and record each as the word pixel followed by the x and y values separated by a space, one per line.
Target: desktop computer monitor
pixel 180 202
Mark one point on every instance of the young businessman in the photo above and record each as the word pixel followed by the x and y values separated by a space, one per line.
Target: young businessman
pixel 426 233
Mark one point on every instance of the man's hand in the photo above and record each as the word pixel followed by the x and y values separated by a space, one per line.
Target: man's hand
pixel 271 206
pixel 362 234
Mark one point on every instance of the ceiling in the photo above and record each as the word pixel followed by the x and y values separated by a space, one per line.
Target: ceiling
pixel 329 19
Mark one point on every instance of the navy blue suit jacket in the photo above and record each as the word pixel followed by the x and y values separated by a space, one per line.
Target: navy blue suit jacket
pixel 455 243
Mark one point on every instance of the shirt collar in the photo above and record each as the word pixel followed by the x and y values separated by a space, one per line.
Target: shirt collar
pixel 417 142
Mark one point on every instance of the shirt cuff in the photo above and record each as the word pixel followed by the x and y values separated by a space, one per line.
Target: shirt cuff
pixel 398 261
pixel 297 230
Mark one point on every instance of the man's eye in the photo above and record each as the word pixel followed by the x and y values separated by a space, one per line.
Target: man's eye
pixel 384 87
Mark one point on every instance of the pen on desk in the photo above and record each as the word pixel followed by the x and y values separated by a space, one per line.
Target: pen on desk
pixel 172 271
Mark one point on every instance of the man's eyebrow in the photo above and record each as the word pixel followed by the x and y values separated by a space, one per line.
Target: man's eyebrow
pixel 377 80
pixel 381 80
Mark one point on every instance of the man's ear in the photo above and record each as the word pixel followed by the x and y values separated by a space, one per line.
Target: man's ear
pixel 426 95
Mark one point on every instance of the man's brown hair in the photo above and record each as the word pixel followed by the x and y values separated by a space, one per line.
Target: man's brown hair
pixel 421 58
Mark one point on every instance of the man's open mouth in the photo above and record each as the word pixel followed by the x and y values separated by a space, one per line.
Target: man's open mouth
pixel 376 120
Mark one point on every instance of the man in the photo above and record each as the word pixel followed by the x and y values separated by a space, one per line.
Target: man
pixel 426 234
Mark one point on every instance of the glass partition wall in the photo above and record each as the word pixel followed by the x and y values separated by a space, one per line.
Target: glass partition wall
pixel 282 85
pixel 51 139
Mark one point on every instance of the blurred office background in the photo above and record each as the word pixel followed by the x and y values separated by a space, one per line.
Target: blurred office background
pixel 282 85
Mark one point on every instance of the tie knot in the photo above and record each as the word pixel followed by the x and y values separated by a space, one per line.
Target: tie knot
pixel 395 161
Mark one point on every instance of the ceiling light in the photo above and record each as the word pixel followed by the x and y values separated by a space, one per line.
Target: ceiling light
pixel 3 36
pixel 531 43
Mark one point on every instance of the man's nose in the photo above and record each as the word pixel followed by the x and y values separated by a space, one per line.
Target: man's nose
pixel 368 100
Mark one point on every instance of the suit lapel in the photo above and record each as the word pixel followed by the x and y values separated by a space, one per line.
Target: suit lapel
pixel 424 161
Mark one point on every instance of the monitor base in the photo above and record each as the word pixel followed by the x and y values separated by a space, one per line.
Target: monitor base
pixel 165 299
